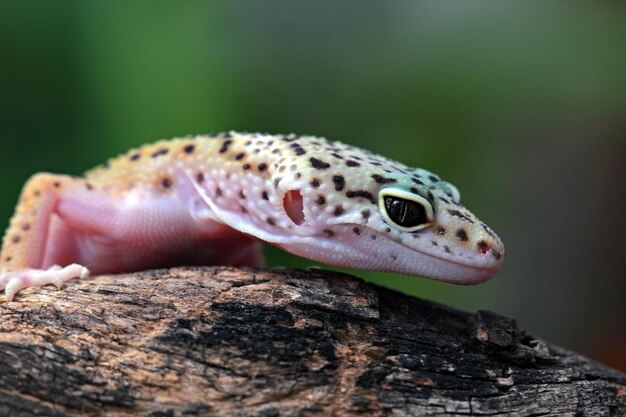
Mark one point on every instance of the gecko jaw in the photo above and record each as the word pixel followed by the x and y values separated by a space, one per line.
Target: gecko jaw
pixel 366 253
pixel 461 272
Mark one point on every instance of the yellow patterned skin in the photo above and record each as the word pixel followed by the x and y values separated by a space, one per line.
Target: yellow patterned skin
pixel 211 199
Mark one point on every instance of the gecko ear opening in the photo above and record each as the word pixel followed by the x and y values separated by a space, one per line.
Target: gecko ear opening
pixel 294 207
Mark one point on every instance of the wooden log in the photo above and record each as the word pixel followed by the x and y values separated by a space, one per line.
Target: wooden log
pixel 241 342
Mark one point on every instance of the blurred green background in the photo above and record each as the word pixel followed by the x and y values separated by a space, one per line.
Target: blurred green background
pixel 521 105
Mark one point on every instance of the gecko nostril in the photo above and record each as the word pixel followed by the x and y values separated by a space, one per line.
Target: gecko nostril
pixel 294 206
pixel 483 246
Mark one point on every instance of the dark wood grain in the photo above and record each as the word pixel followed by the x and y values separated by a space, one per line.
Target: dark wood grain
pixel 232 342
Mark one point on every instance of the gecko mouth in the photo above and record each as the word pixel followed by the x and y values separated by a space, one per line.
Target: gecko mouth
pixel 457 271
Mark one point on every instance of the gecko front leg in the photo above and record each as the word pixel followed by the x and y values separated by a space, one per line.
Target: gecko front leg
pixel 26 243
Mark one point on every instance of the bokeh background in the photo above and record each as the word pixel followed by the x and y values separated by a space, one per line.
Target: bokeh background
pixel 520 104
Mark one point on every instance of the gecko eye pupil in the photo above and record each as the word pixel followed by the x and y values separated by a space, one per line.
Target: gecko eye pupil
pixel 405 213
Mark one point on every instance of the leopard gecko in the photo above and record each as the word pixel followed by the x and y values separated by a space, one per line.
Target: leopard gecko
pixel 212 199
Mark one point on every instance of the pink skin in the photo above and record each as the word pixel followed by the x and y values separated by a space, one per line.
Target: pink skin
pixel 142 233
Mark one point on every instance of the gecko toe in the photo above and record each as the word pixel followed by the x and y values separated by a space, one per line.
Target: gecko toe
pixel 15 281
pixel 14 286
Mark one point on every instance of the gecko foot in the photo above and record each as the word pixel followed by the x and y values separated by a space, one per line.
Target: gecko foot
pixel 14 281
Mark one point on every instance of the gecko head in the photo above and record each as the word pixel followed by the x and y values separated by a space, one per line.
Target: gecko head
pixel 345 206
pixel 401 226
pixel 387 217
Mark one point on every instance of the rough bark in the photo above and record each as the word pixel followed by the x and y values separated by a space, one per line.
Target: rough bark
pixel 231 342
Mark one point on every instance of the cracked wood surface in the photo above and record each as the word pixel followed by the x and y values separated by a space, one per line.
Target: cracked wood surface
pixel 241 342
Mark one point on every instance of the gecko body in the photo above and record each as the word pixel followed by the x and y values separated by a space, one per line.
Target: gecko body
pixel 212 199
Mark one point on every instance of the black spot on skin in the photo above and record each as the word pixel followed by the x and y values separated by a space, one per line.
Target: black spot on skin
pixel 225 146
pixel 336 155
pixel 373 237
pixel 430 197
pixel 356 231
pixel 271 221
pixel 8 259
pixel 248 143
pixel 434 243
pixel 417 181
pixel 496 255
pixel 440 230
pixel 366 214
pixel 394 257
pixel 166 182
pixel 262 166
pixel 433 178
pixel 16 239
pixel 56 184
pixel 277 181
pixel 329 233
pixel 26 227
pixel 88 186
pixel 488 230
pixel 388 230
pixel 447 249
pixel 352 164
pixel 298 175
pixel 242 195
pixel 318 163
pixel 445 200
pixel 338 211
pixel 382 180
pixel 315 183
pixel 265 196
pixel 135 156
pixel 240 156
pixel 339 181
pixel 160 152
pixel 460 215
pixel 189 149
pixel 414 190
pixel 245 167
pixel 462 235
pixel 298 149
pixel 321 200
pixel 361 194
pixel 200 177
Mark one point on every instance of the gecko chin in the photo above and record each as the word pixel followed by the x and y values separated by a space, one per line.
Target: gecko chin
pixel 452 271
pixel 375 251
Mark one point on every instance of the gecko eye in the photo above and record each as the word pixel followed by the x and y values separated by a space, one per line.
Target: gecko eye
pixel 405 210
